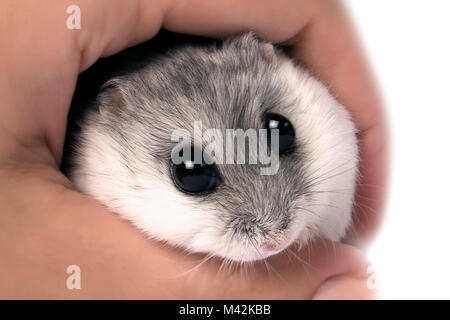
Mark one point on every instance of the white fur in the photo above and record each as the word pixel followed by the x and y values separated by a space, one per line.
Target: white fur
pixel 326 129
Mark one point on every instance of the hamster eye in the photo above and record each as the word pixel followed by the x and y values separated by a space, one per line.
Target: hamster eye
pixel 286 131
pixel 195 178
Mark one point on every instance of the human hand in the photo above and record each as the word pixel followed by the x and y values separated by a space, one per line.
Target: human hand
pixel 45 225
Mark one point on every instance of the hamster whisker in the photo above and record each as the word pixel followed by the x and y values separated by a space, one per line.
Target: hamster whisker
pixel 303 262
pixel 357 195
pixel 189 272
pixel 307 211
pixel 366 185
pixel 337 191
pixel 328 205
pixel 222 267
pixel 326 164
pixel 320 179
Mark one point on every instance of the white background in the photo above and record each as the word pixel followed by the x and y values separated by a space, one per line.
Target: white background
pixel 408 42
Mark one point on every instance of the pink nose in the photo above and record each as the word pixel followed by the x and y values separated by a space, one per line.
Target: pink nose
pixel 271 245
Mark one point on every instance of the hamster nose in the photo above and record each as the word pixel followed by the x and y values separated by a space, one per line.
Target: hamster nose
pixel 271 245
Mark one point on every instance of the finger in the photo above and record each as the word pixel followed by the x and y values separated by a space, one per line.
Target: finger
pixel 41 58
pixel 289 275
pixel 348 275
pixel 345 288
pixel 345 275
pixel 317 265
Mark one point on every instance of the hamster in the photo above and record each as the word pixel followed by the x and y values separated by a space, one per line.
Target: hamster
pixel 123 152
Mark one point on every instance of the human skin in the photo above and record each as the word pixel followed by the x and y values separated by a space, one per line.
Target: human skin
pixel 46 225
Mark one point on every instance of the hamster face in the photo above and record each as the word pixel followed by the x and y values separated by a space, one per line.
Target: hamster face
pixel 123 158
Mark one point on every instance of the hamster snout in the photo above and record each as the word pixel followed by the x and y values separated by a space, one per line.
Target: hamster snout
pixel 170 148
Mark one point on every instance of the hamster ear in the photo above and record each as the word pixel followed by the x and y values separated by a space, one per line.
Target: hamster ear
pixel 253 40
pixel 111 97
pixel 256 36
pixel 267 47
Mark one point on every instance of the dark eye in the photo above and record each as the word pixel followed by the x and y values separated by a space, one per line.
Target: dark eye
pixel 195 178
pixel 286 131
